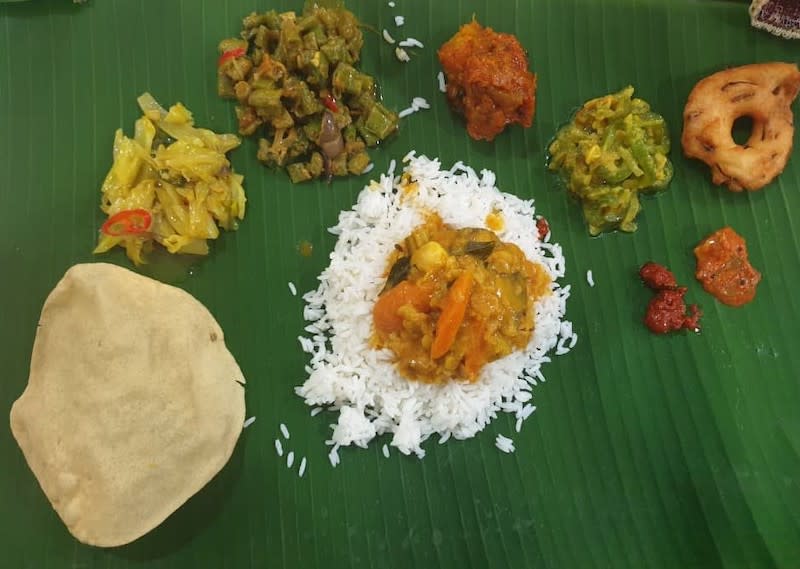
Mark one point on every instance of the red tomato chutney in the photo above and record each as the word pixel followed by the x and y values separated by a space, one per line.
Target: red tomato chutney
pixel 723 268
pixel 666 312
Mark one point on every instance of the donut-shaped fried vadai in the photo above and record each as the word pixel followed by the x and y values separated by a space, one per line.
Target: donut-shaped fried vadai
pixel 764 92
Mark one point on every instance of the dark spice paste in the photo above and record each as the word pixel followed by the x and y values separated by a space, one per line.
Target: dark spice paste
pixel 666 312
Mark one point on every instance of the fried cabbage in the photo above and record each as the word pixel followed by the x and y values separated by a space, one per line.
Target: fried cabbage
pixel 179 175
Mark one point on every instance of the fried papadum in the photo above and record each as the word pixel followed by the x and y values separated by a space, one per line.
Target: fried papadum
pixel 132 405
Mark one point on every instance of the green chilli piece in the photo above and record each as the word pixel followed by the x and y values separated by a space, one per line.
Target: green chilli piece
pixel 614 149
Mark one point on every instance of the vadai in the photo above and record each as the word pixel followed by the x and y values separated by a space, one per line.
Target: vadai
pixel 764 92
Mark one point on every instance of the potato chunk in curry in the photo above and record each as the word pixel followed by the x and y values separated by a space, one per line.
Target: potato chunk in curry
pixel 455 300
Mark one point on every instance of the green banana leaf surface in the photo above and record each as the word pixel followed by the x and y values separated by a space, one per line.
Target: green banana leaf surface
pixel 644 452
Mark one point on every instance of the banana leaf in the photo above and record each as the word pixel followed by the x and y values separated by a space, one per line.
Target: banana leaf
pixel 645 451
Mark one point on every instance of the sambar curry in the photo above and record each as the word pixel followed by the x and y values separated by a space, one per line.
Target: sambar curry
pixel 455 300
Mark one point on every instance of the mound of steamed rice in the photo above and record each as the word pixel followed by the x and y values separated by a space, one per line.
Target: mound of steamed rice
pixel 360 383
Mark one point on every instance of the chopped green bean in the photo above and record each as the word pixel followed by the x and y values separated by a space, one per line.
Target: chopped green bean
pixel 379 122
pixel 287 73
pixel 266 99
pixel 614 149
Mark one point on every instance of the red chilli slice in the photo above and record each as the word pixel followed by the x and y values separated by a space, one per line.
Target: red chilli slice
pixel 330 103
pixel 231 54
pixel 128 222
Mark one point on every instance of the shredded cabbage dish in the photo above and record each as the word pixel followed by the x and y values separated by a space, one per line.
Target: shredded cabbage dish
pixel 170 184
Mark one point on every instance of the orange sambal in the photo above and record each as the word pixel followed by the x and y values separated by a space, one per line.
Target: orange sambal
pixel 723 268
pixel 455 300
pixel 488 80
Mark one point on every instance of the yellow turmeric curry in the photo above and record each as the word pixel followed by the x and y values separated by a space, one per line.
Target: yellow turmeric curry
pixel 455 300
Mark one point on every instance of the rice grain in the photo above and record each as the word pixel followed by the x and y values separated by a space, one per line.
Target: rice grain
pixel 504 444
pixel 411 42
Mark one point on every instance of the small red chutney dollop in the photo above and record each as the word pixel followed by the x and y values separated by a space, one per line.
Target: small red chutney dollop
pixel 666 312
pixel 542 227
pixel 723 268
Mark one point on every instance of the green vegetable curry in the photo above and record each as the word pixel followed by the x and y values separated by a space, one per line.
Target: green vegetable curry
pixel 297 85
pixel 614 149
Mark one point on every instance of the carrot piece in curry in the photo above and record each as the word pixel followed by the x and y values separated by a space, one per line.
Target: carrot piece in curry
pixel 385 313
pixel 453 310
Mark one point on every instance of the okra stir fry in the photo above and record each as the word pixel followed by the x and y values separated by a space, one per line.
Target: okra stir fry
pixel 298 88
pixel 614 149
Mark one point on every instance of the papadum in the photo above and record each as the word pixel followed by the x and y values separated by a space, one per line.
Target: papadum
pixel 132 405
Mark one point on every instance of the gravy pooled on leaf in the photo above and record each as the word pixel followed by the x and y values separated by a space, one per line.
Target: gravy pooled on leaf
pixel 455 300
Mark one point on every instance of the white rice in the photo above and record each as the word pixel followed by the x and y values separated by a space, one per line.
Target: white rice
pixel 526 411
pixel 401 54
pixel 302 469
pixel 306 345
pixel 420 103
pixel 333 456
pixel 292 288
pixel 442 84
pixel 290 459
pixel 248 422
pixel 411 42
pixel 369 168
pixel 387 36
pixel 590 278
pixel 391 4
pixel 284 431
pixel 386 451
pixel 316 411
pixel 417 103
pixel 504 444
pixel 278 447
pixel 362 384
pixel 399 21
